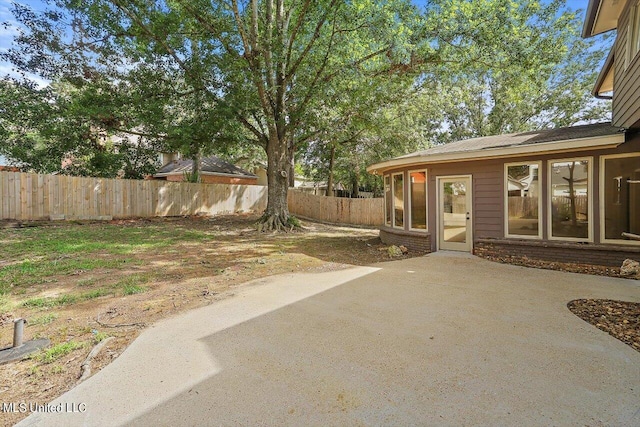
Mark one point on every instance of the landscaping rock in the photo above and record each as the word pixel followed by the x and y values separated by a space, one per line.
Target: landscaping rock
pixel 630 268
pixel 394 251
pixel 620 319
pixel 404 249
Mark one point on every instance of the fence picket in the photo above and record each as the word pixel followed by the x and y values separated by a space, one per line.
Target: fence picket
pixel 339 210
pixel 33 197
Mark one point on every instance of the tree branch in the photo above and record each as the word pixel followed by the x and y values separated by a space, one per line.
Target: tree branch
pixel 316 34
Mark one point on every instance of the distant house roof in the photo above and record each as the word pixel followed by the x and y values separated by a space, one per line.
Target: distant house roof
pixel 209 166
pixel 572 138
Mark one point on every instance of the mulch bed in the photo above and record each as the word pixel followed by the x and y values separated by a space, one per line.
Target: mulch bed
pixel 598 270
pixel 620 319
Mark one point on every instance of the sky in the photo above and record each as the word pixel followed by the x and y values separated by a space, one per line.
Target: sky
pixel 7 34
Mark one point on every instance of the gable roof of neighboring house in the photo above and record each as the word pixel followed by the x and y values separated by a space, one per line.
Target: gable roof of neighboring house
pixel 211 165
pixel 574 138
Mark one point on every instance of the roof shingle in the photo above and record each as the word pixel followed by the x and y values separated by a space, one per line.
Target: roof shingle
pixel 520 139
pixel 211 164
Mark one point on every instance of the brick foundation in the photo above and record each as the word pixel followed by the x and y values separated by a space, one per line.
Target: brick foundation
pixel 581 253
pixel 415 241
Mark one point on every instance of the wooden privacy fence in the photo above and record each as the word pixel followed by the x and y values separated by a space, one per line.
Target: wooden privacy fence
pixel 30 197
pixel 337 210
pixel 561 205
pixel 523 207
pixel 34 197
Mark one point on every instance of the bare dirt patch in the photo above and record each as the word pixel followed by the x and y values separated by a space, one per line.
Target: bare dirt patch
pixel 78 284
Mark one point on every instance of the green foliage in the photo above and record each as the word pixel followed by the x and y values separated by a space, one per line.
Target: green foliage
pixel 5 304
pixel 506 66
pixel 42 302
pixel 199 76
pixel 362 80
pixel 193 177
pixel 56 370
pixel 133 289
pixel 58 129
pixel 96 293
pixel 132 284
pixel 100 336
pixel 57 351
pixel 293 221
pixel 32 272
pixel 521 65
pixel 43 320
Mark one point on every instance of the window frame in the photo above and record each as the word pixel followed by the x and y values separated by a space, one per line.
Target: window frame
pixel 390 223
pixel 550 236
pixel 601 173
pixel 505 194
pixel 393 200
pixel 426 201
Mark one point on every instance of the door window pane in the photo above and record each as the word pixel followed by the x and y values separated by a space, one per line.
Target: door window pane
pixel 570 199
pixel 418 181
pixel 523 192
pixel 621 197
pixel 387 200
pixel 398 200
pixel 454 211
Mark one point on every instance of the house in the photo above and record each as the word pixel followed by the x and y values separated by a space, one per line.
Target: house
pixel 213 170
pixel 569 194
pixel 5 167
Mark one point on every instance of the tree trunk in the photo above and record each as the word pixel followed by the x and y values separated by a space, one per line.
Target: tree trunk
pixel 195 170
pixel 292 168
pixel 276 216
pixel 572 196
pixel 355 191
pixel 332 159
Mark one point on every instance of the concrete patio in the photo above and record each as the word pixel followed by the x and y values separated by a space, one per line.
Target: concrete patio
pixel 446 339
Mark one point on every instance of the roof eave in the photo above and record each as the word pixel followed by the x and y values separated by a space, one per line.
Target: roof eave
pixel 590 18
pixel 579 144
pixel 602 16
pixel 604 75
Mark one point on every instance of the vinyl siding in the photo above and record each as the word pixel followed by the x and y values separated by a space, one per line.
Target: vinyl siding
pixel 626 85
pixel 486 191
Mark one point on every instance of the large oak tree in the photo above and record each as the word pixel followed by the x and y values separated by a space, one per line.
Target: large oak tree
pixel 261 63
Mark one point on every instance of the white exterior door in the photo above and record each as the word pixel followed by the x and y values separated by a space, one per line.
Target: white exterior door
pixel 454 213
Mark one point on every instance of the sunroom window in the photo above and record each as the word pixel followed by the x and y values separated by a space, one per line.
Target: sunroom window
pixel 387 200
pixel 621 187
pixel 398 200
pixel 418 189
pixel 522 187
pixel 570 183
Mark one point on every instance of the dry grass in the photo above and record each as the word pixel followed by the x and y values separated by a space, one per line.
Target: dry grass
pixel 73 282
